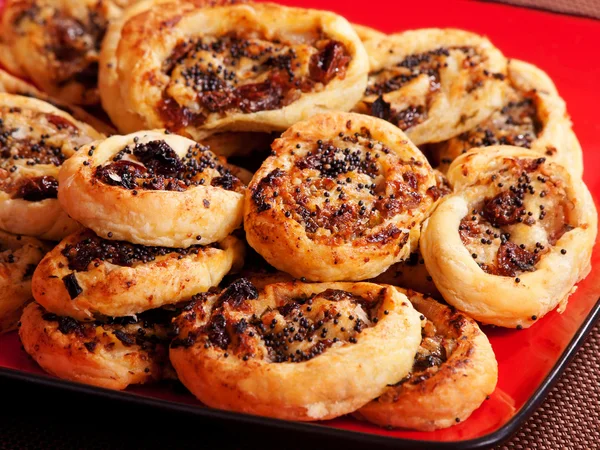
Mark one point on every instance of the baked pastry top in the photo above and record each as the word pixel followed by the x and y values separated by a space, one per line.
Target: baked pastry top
pixel 344 193
pixel 433 83
pixel 250 67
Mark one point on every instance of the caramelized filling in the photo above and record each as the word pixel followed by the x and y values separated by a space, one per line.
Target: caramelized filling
pixel 73 43
pixel 515 124
pixel 297 330
pixel 232 73
pixel 95 249
pixel 340 189
pixel 156 166
pixel 509 233
pixel 413 68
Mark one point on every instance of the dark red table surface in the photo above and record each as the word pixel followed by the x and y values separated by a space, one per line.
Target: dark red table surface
pixel 566 48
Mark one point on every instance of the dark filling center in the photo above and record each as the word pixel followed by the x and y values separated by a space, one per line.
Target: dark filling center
pixel 159 167
pixel 219 88
pixel 336 174
pixel 121 253
pixel 517 124
pixel 487 224
pixel 37 188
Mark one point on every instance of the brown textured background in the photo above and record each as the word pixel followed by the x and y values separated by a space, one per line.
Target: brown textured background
pixel 586 8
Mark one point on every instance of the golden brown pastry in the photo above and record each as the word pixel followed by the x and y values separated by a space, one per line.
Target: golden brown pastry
pixel 412 273
pixel 454 370
pixel 56 43
pixel 152 188
pixel 365 33
pixel 86 277
pixel 14 85
pixel 197 69
pixel 533 115
pixel 295 351
pixel 18 257
pixel 512 240
pixel 433 83
pixel 112 354
pixel 344 194
pixel 36 138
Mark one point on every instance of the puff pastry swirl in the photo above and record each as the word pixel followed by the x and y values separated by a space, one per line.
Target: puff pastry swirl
pixel 247 67
pixel 112 354
pixel 433 83
pixel 454 370
pixel 152 188
pixel 16 86
pixel 533 116
pixel 512 240
pixel 19 256
pixel 36 139
pixel 57 44
pixel 86 277
pixel 295 350
pixel 344 193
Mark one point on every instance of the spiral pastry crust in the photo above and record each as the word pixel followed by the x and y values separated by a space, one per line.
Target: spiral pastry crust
pixel 412 273
pixel 152 188
pixel 344 193
pixel 512 240
pixel 433 83
pixel 454 370
pixel 36 138
pixel 19 256
pixel 16 86
pixel 366 33
pixel 112 354
pixel 249 67
pixel 533 116
pixel 57 44
pixel 86 277
pixel 261 353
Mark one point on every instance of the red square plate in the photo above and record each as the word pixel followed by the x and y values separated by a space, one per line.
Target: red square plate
pixel 529 360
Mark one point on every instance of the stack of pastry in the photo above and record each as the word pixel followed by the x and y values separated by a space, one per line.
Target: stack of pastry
pixel 99 289
pixel 399 169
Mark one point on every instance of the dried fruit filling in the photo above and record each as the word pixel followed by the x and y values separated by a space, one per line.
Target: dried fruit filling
pixel 155 165
pixel 508 233
pixel 216 75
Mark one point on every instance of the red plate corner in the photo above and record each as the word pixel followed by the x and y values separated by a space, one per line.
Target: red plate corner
pixel 564 47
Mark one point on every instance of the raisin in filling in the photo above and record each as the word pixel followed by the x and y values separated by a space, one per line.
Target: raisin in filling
pixel 232 73
pixel 509 233
pixel 73 42
pixel 339 190
pixel 95 249
pixel 37 188
pixel 517 124
pixel 156 166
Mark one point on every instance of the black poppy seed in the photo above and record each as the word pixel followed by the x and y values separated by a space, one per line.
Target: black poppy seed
pixel 109 234
pixel 517 280
pixel 534 317
pixel 519 327
pixel 563 251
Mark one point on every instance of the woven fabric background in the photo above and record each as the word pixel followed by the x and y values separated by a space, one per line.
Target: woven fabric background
pixel 569 418
pixel 587 8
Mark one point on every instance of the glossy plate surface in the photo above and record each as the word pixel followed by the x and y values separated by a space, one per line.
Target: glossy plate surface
pixel 529 360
